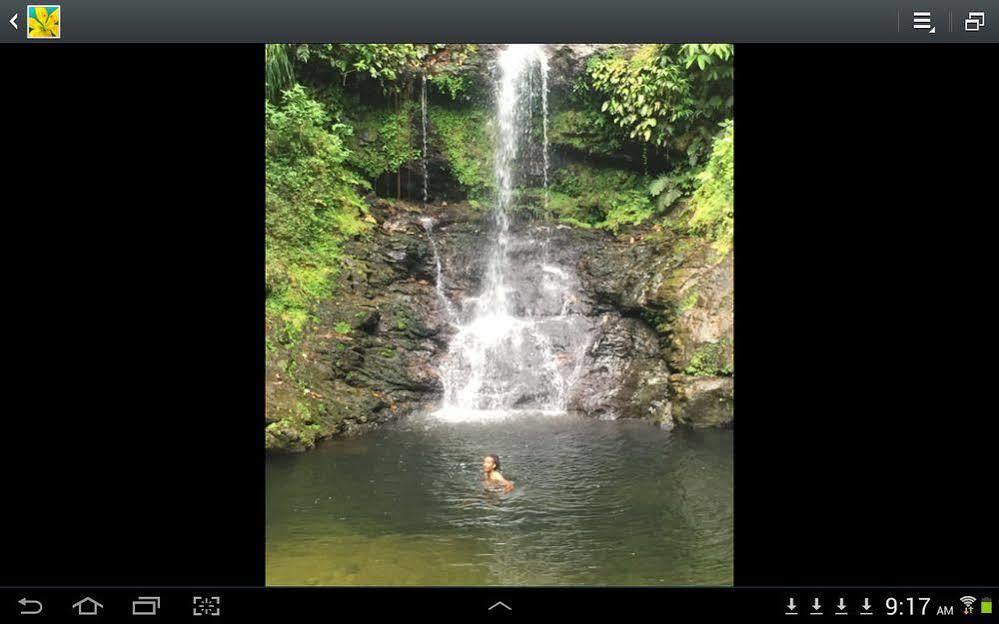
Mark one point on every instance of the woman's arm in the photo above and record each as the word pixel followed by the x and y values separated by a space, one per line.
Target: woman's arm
pixel 507 485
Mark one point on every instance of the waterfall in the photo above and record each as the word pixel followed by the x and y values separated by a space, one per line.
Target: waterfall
pixel 423 118
pixel 428 226
pixel 519 341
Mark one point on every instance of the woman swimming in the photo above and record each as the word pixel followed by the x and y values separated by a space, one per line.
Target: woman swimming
pixel 491 467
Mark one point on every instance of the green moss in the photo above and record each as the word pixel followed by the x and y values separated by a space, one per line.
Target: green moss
pixel 585 130
pixel 688 302
pixel 313 202
pixel 709 360
pixel 602 197
pixel 713 202
pixel 342 328
pixel 382 140
pixel 461 134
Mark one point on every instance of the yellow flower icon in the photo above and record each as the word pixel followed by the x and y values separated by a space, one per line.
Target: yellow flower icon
pixel 43 22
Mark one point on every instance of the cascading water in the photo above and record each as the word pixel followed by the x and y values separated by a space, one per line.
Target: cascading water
pixel 423 119
pixel 428 226
pixel 519 342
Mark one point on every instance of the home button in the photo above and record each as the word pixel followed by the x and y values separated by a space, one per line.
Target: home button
pixel 87 606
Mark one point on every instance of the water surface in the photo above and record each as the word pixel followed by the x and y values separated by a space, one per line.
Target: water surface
pixel 596 502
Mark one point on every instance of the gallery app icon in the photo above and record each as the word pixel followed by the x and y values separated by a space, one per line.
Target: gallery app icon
pixel 43 21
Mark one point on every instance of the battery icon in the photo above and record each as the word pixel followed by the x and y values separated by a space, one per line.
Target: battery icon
pixel 985 606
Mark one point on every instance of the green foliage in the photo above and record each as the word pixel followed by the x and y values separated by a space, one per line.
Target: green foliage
pixel 278 72
pixel 312 201
pixel 709 359
pixel 444 71
pixel 454 86
pixel 342 327
pixel 462 135
pixel 585 130
pixel 384 63
pixel 382 140
pixel 713 202
pixel 669 188
pixel 668 96
pixel 688 302
pixel 600 197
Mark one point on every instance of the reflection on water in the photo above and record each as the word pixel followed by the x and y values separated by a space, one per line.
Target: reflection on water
pixel 601 503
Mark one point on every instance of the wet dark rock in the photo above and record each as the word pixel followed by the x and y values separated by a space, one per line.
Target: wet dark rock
pixel 682 288
pixel 703 401
pixel 368 321
pixel 651 336
pixel 625 375
pixel 334 382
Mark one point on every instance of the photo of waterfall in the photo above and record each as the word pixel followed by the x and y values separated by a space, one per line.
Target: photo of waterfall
pixel 499 314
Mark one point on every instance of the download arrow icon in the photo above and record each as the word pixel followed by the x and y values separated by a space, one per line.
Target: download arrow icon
pixel 816 605
pixel 790 604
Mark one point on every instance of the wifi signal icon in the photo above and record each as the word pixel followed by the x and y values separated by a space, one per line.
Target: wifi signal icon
pixel 968 601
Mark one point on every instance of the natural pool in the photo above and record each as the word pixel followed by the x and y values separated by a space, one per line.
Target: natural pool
pixel 596 503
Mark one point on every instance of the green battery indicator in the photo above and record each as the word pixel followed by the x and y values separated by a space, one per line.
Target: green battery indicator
pixel 985 606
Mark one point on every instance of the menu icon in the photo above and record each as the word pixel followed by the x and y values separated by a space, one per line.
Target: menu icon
pixel 923 20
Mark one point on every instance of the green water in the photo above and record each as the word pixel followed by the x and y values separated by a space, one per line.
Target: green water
pixel 596 503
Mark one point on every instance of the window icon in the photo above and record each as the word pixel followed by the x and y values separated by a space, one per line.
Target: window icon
pixel 44 21
pixel 975 21
pixel 923 20
pixel 146 605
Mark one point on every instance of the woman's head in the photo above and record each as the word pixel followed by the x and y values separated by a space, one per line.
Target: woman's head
pixel 491 462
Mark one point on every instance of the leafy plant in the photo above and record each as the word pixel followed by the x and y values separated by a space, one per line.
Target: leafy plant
pixel 382 140
pixel 384 63
pixel 713 202
pixel 278 71
pixel 453 85
pixel 666 95
pixel 312 202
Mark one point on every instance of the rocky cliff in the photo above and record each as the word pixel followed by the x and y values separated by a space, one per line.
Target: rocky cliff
pixel 660 345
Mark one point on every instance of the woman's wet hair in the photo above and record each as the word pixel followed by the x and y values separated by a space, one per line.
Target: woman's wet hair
pixel 495 459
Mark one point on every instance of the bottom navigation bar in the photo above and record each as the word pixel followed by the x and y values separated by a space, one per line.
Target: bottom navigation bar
pixel 128 603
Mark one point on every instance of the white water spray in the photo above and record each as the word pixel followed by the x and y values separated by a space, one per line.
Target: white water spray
pixel 423 119
pixel 519 341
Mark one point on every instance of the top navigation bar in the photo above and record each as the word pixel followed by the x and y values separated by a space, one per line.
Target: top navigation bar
pixel 513 21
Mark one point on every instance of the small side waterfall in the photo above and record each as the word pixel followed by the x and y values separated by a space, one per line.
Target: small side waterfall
pixel 520 340
pixel 423 154
pixel 428 226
